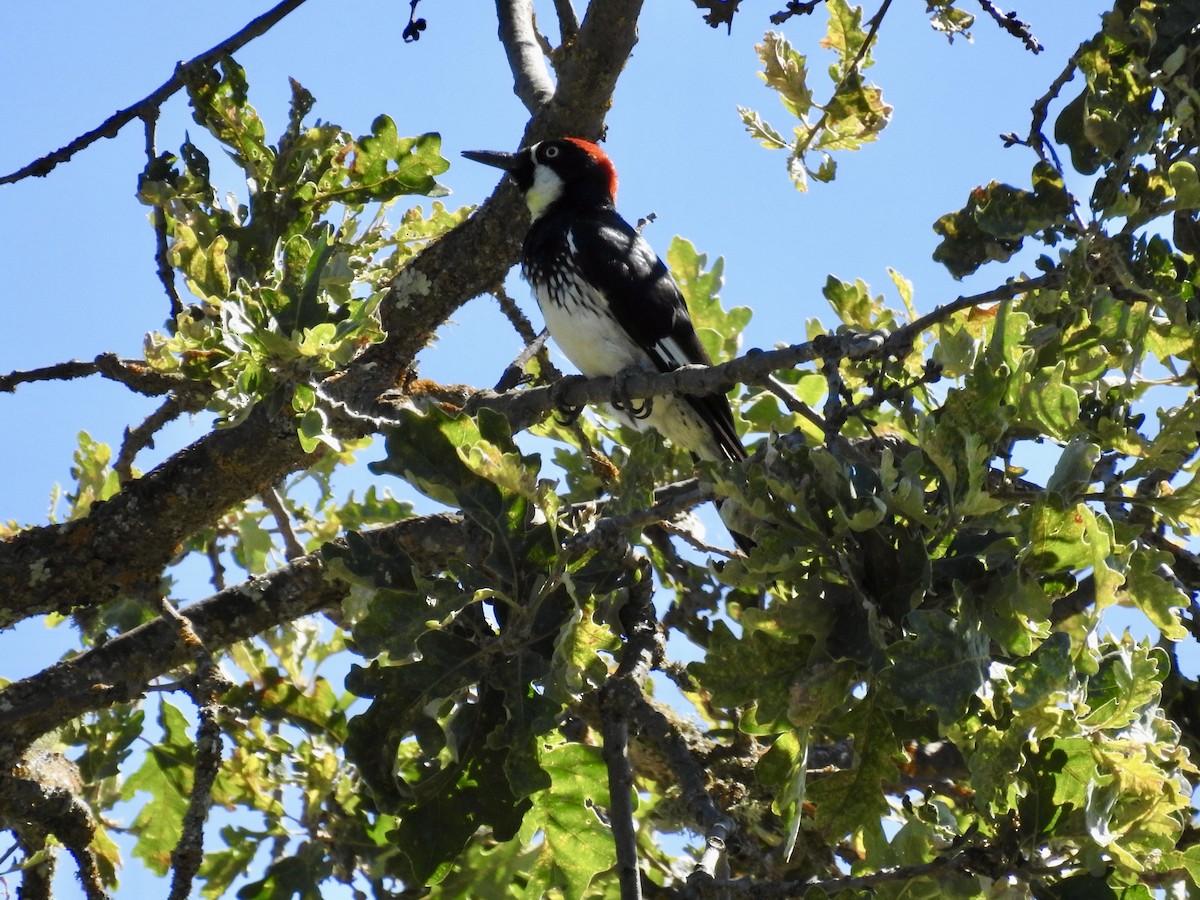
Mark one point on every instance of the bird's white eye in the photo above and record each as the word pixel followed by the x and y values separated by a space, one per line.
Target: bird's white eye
pixel 551 152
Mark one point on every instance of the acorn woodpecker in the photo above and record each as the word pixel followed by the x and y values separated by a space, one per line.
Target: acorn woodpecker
pixel 608 300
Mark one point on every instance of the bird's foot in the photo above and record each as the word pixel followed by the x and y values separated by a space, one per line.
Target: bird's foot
pixel 565 414
pixel 638 409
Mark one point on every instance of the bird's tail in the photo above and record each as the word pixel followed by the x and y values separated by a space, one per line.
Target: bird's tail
pixel 739 522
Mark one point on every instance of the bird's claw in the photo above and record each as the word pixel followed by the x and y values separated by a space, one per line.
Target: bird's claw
pixel 638 409
pixel 565 414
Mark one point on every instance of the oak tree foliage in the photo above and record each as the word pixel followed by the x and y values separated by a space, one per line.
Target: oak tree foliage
pixel 905 690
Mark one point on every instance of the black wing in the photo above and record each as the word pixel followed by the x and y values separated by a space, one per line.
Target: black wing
pixel 647 303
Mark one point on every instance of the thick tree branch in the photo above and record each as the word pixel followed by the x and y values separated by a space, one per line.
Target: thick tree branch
pixel 568 22
pixel 605 40
pixel 127 540
pixel 531 79
pixel 124 543
pixel 148 106
pixel 121 669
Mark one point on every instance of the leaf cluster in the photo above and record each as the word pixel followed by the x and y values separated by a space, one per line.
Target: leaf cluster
pixel 289 282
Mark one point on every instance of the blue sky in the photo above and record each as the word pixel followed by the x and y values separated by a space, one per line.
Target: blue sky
pixel 77 252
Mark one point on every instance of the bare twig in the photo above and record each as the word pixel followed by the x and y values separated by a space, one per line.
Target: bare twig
pixel 206 690
pixel 531 78
pixel 791 402
pixel 212 549
pixel 136 439
pixel 795 8
pixel 520 322
pixel 163 266
pixel 273 501
pixel 1013 25
pixel 514 372
pixel 644 645
pixel 535 344
pixel 151 102
pixel 133 373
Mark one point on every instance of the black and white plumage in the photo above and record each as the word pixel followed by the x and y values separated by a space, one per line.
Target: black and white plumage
pixel 608 300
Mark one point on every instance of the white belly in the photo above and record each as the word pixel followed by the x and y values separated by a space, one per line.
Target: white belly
pixel 590 339
pixel 597 346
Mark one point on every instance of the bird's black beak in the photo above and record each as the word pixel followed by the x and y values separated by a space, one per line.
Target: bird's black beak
pixel 494 158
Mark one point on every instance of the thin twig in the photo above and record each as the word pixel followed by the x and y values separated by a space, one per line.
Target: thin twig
pixel 643 647
pixel 792 402
pixel 133 373
pixel 273 501
pixel 1041 108
pixel 1013 25
pixel 535 344
pixel 206 690
pixel 151 102
pixel 212 549
pixel 136 439
pixel 165 273
pixel 520 322
pixel 795 8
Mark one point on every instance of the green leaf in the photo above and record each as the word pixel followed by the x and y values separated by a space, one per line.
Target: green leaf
pixel 1161 598
pixel 845 34
pixel 1073 473
pixel 757 669
pixel 845 799
pixel 1049 404
pixel 219 102
pixel 719 331
pixel 940 667
pixel 785 71
pixel 1185 183
pixel 449 459
pixel 1129 680
pixel 166 775
pixel 385 165
pixel 576 841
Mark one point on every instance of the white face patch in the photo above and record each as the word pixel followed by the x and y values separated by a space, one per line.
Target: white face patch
pixel 547 187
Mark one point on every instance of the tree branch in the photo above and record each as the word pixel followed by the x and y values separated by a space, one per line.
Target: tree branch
pixel 143 435
pixel 592 66
pixel 531 79
pixel 1011 23
pixel 121 669
pixel 525 407
pixel 149 105
pixel 207 687
pixel 127 540
pixel 644 646
pixel 568 22
pixel 133 373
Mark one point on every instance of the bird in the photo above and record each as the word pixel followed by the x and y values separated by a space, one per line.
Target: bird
pixel 608 300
